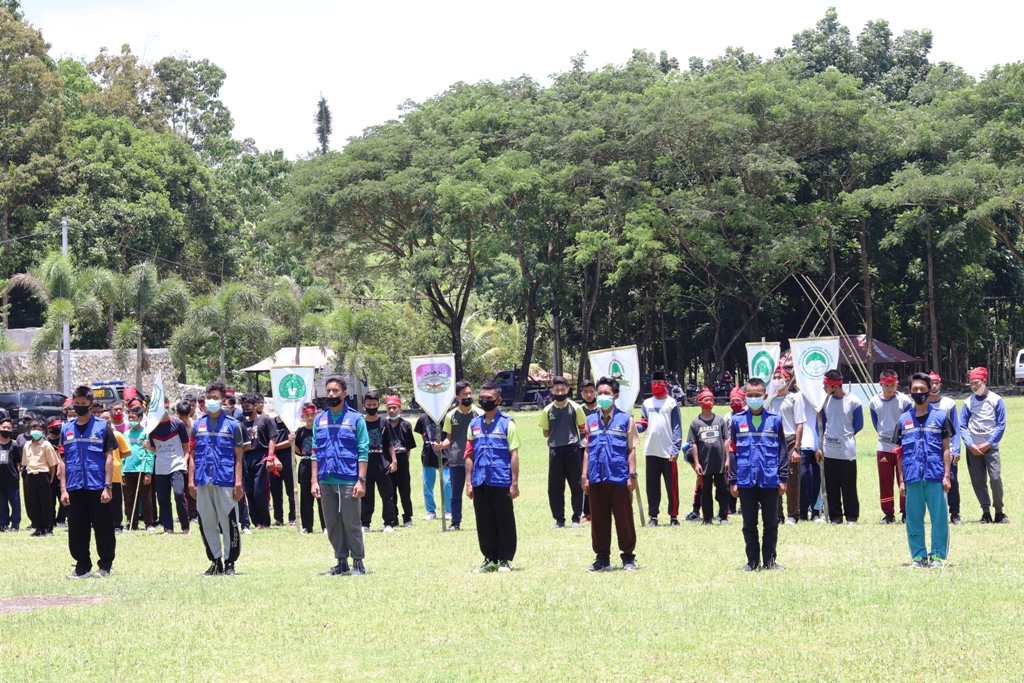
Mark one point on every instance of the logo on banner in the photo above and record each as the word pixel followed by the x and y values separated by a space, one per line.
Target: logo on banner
pixel 815 361
pixel 763 366
pixel 620 371
pixel 434 378
pixel 291 387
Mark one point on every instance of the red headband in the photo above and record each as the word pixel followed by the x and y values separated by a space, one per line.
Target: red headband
pixel 934 376
pixel 833 382
pixel 979 373
pixel 786 373
pixel 884 379
pixel 706 393
pixel 309 411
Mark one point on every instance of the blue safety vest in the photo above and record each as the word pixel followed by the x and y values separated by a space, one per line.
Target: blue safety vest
pixel 492 459
pixel 608 448
pixel 922 446
pixel 337 451
pixel 215 451
pixel 85 462
pixel 758 455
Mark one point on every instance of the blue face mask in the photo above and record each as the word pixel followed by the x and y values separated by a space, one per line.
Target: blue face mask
pixel 213 405
pixel 755 402
pixel 605 402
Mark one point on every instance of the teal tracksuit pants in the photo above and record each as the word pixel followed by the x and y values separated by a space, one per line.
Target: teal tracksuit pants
pixel 928 495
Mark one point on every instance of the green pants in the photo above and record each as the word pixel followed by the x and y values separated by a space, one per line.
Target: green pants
pixel 921 495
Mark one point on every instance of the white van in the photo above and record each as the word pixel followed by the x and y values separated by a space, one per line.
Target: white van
pixel 1018 372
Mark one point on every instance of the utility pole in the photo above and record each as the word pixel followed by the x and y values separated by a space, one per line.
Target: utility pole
pixel 67 328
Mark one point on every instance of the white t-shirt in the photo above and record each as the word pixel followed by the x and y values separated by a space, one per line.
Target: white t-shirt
pixel 843 418
pixel 887 413
pixel 791 409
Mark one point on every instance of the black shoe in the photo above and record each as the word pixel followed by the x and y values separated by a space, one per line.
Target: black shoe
pixel 229 569
pixel 836 521
pixel 37 533
pixel 692 517
pixel 1001 518
pixel 216 567
pixel 340 569
pixel 748 568
pixel 674 521
pixel 357 568
pixel 600 566
pixel 955 519
pixel 888 519
pixel 903 518
pixel 985 519
pixel 652 522
pixel 706 522
pixel 454 527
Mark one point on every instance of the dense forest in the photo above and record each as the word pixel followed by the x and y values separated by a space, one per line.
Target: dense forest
pixel 675 206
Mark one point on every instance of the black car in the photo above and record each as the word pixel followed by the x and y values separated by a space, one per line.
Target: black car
pixel 19 404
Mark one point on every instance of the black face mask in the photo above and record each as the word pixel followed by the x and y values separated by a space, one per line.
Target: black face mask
pixel 6 433
pixel 559 397
pixel 334 401
pixel 488 405
pixel 920 397
pixel 55 431
pixel 247 412
pixel 82 410
pixel 371 411
pixel 466 401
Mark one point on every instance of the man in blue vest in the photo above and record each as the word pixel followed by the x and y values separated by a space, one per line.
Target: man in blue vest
pixel 609 478
pixel 215 480
pixel 923 433
pixel 758 472
pixel 86 482
pixel 492 480
pixel 341 448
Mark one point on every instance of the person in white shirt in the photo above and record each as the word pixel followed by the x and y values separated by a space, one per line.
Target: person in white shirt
pixel 842 417
pixel 886 409
pixel 790 407
pixel 982 424
pixel 659 418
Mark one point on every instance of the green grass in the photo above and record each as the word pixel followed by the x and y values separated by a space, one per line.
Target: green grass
pixel 847 609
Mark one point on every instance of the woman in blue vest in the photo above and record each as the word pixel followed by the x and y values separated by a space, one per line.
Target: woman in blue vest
pixel 492 480
pixel 609 478
pixel 924 432
pixel 215 480
pixel 758 472
pixel 86 484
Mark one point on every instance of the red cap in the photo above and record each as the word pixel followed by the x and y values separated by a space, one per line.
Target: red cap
pixel 229 392
pixel 706 393
pixel 934 376
pixel 67 402
pixel 979 373
pixel 737 393
pixel 393 400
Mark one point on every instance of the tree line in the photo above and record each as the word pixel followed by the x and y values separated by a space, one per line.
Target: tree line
pixel 518 224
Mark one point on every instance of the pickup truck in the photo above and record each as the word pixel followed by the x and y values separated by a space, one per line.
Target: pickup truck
pixel 536 392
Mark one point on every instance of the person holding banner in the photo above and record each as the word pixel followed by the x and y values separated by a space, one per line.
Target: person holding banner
pixel 455 432
pixel 790 407
pixel 923 433
pixel 937 400
pixel 563 421
pixel 610 477
pixel 982 423
pixel 757 474
pixel 492 480
pixel 215 481
pixel 842 417
pixel 886 410
pixel 341 448
pixel 659 419
pixel 85 484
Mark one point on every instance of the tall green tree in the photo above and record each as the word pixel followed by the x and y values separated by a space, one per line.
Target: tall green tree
pixel 300 310
pixel 322 122
pixel 146 296
pixel 190 94
pixel 231 314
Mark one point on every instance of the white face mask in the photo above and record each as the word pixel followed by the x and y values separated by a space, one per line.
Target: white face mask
pixel 980 391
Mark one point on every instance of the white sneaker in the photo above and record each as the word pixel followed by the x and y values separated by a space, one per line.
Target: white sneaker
pixel 388 528
pixel 430 517
pixel 366 529
pixel 448 516
pixel 247 531
pixel 790 520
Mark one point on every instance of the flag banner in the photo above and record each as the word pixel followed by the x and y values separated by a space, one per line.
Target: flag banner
pixel 622 364
pixel 433 381
pixel 762 359
pixel 812 358
pixel 292 386
pixel 156 404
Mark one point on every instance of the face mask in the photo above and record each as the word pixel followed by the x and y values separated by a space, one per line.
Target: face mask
pixel 659 390
pixel 919 397
pixel 55 430
pixel 736 407
pixel 935 391
pixel 980 391
pixel 707 405
pixel 36 434
pixel 371 411
pixel 247 413
pixel 213 406
pixel 6 433
pixel 81 410
pixel 590 402
pixel 605 402
pixel 466 401
pixel 134 424
pixel 755 402
pixel 560 397
pixel 117 419
pixel 488 405
pixel 334 401
pixel 393 417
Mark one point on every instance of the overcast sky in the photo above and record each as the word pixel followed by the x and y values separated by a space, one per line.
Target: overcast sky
pixel 368 57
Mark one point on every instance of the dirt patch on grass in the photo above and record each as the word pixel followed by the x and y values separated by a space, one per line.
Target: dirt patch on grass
pixel 30 602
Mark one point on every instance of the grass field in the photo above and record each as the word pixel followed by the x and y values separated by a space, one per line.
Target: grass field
pixel 847 609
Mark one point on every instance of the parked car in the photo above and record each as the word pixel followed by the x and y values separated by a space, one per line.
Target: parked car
pixel 19 404
pixel 1018 370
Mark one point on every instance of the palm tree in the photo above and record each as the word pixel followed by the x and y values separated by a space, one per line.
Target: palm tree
pixel 68 299
pixel 300 310
pixel 108 287
pixel 144 296
pixel 230 312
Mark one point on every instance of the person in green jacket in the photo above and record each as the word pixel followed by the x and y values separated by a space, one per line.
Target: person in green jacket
pixel 137 473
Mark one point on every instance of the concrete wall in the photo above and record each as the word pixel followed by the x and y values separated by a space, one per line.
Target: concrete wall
pixel 86 367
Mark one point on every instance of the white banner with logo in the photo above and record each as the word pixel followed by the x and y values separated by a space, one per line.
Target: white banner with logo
pixel 156 404
pixel 622 364
pixel 433 381
pixel 762 359
pixel 292 386
pixel 812 358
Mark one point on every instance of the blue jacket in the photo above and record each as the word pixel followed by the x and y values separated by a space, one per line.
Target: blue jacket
pixel 922 457
pixel 761 458
pixel 337 449
pixel 608 448
pixel 492 459
pixel 85 462
pixel 215 450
